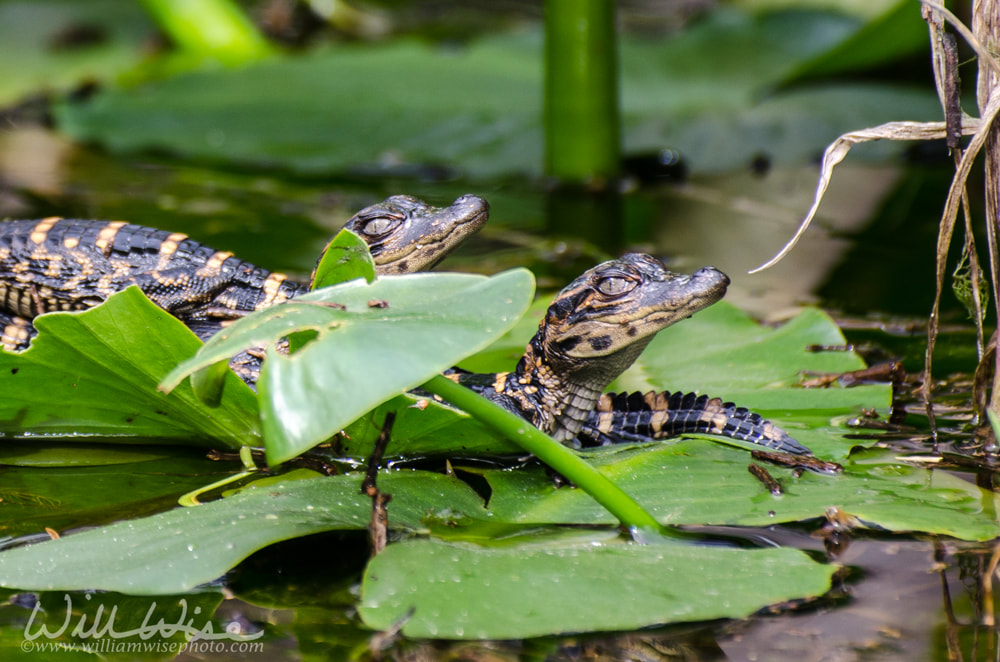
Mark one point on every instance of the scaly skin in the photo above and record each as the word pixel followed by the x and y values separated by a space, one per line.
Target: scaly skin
pixel 66 264
pixel 641 417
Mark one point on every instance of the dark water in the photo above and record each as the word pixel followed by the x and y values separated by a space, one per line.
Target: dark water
pixel 868 258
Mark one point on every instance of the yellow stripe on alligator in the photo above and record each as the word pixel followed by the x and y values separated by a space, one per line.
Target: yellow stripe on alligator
pixel 270 287
pixel 107 235
pixel 41 229
pixel 213 266
pixel 168 247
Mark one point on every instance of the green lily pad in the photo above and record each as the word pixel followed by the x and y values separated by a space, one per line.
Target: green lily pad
pixel 177 550
pixel 896 29
pixel 727 354
pixel 479 110
pixel 690 481
pixel 363 354
pixel 94 374
pixel 455 591
pixel 771 360
pixel 423 427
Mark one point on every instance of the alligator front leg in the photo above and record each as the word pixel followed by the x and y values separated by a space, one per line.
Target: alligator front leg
pixel 637 417
pixel 15 332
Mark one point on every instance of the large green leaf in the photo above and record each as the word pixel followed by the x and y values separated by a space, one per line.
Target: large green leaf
pixel 423 428
pixel 182 548
pixel 690 481
pixel 62 454
pixel 757 365
pixel 345 258
pixel 479 109
pixel 682 482
pixel 455 591
pixel 94 374
pixel 365 352
pixel 727 354
pixel 897 29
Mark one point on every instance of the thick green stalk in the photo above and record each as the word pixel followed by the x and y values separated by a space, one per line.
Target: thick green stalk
pixel 582 132
pixel 554 454
pixel 212 28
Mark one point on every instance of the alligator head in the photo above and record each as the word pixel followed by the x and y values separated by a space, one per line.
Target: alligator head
pixel 406 235
pixel 594 330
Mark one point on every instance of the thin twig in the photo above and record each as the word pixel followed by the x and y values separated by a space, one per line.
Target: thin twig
pixel 970 39
pixel 769 481
pixel 378 528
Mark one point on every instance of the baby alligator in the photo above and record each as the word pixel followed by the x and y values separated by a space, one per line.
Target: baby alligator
pixel 592 332
pixel 66 264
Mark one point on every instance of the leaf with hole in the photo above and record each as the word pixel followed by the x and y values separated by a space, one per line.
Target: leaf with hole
pixel 363 354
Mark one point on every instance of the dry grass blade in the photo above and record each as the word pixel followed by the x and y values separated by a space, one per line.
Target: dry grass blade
pixel 839 148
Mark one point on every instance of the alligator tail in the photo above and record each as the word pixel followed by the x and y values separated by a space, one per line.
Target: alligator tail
pixel 637 417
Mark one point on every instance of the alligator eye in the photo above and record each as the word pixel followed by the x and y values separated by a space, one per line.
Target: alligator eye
pixel 613 286
pixel 380 226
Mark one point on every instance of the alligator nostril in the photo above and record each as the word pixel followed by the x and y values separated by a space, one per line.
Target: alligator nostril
pixel 712 271
pixel 473 202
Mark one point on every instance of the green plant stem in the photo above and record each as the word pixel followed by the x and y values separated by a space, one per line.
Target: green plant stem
pixel 582 126
pixel 212 28
pixel 552 453
pixel 190 499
